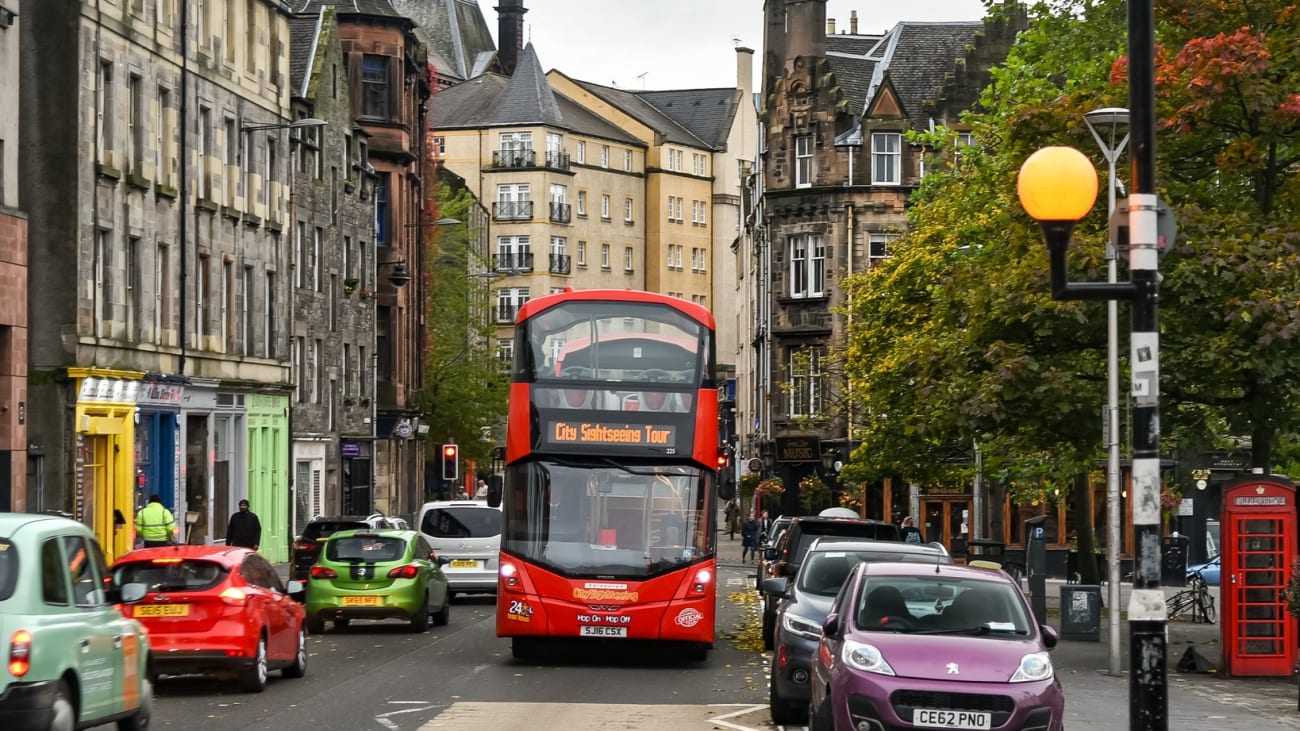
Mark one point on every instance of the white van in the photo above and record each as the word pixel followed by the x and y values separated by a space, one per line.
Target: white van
pixel 468 533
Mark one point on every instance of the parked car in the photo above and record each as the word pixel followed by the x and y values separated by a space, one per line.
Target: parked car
pixel 71 659
pixel 803 603
pixel 1208 571
pixel 365 574
pixel 784 559
pixel 908 645
pixel 468 534
pixel 217 610
pixel 307 548
pixel 779 527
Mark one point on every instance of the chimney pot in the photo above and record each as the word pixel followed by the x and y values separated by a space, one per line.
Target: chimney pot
pixel 830 26
pixel 853 22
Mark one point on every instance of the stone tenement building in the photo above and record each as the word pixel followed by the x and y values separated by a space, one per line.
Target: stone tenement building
pixel 158 262
pixel 13 279
pixel 836 175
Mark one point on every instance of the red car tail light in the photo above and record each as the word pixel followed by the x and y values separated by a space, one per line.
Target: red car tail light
pixel 323 572
pixel 304 545
pixel 234 596
pixel 409 571
pixel 20 653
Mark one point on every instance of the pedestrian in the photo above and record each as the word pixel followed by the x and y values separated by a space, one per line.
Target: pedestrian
pixel 749 540
pixel 244 529
pixel 911 534
pixel 155 524
pixel 764 529
pixel 481 492
pixel 732 514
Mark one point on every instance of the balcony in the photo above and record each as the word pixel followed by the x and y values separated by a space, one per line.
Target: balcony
pixel 514 159
pixel 561 264
pixel 512 211
pixel 557 160
pixel 561 212
pixel 519 262
pixel 506 313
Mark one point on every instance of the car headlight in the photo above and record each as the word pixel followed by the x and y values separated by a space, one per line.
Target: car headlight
pixel 1034 666
pixel 866 657
pixel 801 626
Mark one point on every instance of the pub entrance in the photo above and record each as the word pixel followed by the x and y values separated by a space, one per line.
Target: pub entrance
pixel 945 519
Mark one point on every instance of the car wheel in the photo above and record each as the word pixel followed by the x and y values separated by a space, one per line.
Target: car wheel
pixel 299 666
pixel 64 713
pixel 784 712
pixel 769 629
pixel 443 616
pixel 420 619
pixel 253 679
pixel 819 716
pixel 139 721
pixel 315 624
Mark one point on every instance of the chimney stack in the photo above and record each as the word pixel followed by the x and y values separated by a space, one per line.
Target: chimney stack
pixel 806 20
pixel 745 71
pixel 510 33
pixel 830 26
pixel 853 22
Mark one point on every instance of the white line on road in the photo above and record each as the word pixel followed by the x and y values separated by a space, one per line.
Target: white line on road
pixel 743 710
pixel 382 718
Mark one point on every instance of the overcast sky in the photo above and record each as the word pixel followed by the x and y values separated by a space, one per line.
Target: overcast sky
pixel 683 44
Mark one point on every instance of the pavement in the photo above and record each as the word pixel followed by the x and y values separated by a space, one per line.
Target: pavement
pixel 1206 701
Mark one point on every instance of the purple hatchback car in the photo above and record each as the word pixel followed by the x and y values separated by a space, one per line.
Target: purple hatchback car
pixel 913 646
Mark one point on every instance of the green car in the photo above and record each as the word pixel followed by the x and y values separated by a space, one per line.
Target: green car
pixel 384 574
pixel 71 659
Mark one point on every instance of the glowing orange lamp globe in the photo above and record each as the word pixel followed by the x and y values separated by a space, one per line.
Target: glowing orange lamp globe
pixel 1057 184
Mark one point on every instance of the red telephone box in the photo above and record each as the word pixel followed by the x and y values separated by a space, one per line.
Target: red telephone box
pixel 1259 546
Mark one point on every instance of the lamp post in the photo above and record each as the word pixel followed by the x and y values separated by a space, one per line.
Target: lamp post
pixel 304 123
pixel 1112 121
pixel 1053 185
pixel 399 277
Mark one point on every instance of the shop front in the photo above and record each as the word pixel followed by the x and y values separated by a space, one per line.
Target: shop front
pixel 103 449
pixel 215 476
pixel 157 440
pixel 267 416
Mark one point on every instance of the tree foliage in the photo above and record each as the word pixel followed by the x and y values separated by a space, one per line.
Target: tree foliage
pixel 464 391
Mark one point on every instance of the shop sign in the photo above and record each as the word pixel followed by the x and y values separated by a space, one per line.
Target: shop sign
pixel 798 449
pixel 161 394
pixel 351 449
pixel 108 390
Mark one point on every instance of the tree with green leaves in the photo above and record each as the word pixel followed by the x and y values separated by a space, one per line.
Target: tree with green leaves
pixel 464 389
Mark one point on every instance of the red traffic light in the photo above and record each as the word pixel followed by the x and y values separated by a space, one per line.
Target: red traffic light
pixel 449 451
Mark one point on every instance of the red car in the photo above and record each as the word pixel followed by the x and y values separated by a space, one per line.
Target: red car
pixel 216 610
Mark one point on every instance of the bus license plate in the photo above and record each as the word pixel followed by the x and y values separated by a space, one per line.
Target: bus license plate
pixel 933 718
pixel 161 610
pixel 362 601
pixel 587 630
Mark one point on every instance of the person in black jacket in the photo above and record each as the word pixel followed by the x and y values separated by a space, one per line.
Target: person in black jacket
pixel 244 529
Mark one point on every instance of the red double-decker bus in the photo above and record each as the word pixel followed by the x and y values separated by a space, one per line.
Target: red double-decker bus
pixel 612 458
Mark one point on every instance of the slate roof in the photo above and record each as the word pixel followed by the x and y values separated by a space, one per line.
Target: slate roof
pixel 648 114
pixel 706 113
pixel 382 8
pixel 528 98
pixel 853 74
pixel 303 30
pixel 459 39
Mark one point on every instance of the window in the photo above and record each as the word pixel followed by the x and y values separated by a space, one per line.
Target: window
pixel 381 210
pixel 227 307
pixel 878 246
pixel 514 253
pixel 514 201
pixel 604 207
pixel 505 354
pixel 886 158
pixel 627 258
pixel 232 31
pixel 270 348
pixel 317 370
pixel 627 160
pixel 246 311
pixel 137 122
pixel 347 370
pixel 134 290
pixel 250 37
pixel 296 367
pixel 582 152
pixel 300 254
pixel 803 167
pixel 604 156
pixel 695 213
pixel 508 301
pixel 204 145
pixel 104 113
pixel 88 576
pixel 268 169
pixel 384 344
pixel 695 259
pixel 202 313
pixel 806 383
pixel 333 300
pixel 103 282
pixel 559 244
pixel 964 139
pixel 201 23
pixel 440 145
pixel 807 266
pixel 582 254
pixel 363 366
pixel 161 289
pixel 374 87
pixel 604 257
pixel 627 210
pixel 582 203
pixel 316 258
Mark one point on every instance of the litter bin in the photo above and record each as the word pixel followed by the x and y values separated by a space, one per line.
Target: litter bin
pixel 1081 612
pixel 1173 560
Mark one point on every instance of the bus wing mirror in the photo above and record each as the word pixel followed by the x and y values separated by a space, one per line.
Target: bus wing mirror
pixel 494 491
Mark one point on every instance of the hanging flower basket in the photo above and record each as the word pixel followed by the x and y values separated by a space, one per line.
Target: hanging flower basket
pixel 813 494
pixel 767 495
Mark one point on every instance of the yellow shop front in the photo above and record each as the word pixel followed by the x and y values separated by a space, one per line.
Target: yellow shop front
pixel 104 453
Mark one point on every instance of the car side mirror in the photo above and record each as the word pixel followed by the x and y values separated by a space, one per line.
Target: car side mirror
pixel 787 569
pixel 776 585
pixel 129 593
pixel 440 560
pixel 294 587
pixel 770 554
pixel 1050 636
pixel 831 626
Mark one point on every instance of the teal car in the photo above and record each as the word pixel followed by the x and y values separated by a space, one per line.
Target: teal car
pixel 385 574
pixel 71 659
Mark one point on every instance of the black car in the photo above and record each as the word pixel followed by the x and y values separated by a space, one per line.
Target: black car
pixel 308 546
pixel 803 603
pixel 784 559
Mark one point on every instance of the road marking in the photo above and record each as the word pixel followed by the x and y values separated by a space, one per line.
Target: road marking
pixel 744 710
pixel 506 716
pixel 384 721
pixel 737 581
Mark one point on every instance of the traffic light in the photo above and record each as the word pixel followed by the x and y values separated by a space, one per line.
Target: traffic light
pixel 450 461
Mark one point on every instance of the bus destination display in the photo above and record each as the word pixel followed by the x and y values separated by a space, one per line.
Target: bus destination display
pixel 579 433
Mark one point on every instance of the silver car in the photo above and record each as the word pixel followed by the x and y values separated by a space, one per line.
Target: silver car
pixel 468 533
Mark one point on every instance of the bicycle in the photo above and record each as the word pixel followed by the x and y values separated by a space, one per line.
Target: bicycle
pixel 1195 598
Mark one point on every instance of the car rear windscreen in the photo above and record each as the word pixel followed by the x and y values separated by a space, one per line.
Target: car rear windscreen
pixel 326 528
pixel 171 574
pixel 8 569
pixel 462 522
pixel 367 549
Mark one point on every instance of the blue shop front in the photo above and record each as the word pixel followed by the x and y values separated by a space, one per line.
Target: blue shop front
pixel 157 439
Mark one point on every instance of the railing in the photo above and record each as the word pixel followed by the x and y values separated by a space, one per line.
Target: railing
pixel 506 313
pixel 518 262
pixel 561 264
pixel 514 159
pixel 561 212
pixel 557 159
pixel 513 211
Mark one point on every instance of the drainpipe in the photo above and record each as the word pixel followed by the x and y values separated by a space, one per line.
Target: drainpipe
pixel 183 154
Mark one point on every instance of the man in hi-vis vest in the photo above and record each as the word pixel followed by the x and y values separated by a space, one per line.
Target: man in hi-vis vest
pixel 154 523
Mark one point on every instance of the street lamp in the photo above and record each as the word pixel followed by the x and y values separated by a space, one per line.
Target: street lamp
pixel 304 123
pixel 1111 121
pixel 399 277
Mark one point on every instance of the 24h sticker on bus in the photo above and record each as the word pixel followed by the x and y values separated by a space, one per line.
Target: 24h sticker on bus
pixel 520 611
